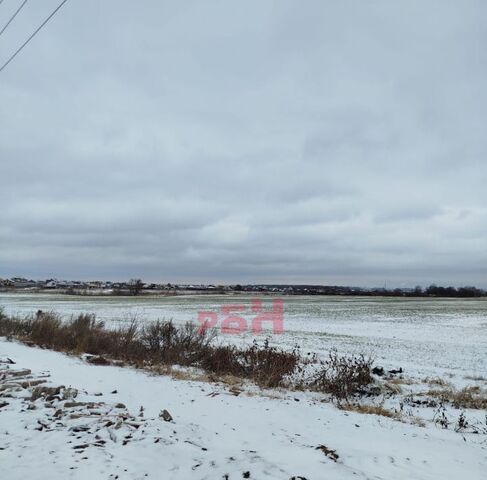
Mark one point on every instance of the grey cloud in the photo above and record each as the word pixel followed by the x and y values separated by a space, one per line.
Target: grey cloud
pixel 246 142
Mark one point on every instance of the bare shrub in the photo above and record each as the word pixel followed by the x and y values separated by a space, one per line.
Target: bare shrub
pixel 342 377
pixel 222 360
pixel 168 344
pixel 157 336
pixel 128 345
pixel 192 345
pixel 45 329
pixel 80 332
pixel 267 365
pixel 12 326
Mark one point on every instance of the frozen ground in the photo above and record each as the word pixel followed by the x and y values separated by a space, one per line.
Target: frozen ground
pixel 216 431
pixel 424 336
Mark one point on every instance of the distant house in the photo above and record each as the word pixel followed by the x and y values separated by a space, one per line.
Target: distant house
pixel 19 282
pixel 51 284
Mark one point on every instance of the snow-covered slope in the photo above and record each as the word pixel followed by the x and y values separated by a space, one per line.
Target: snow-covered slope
pixel 214 433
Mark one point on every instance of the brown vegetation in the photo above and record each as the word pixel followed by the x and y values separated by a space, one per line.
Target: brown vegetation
pixel 162 344
pixel 343 377
pixel 159 343
pixel 437 381
pixel 468 397
pixel 371 410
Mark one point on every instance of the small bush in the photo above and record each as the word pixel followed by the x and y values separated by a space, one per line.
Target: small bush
pixel 268 365
pixel 168 344
pixel 265 365
pixel 46 329
pixel 10 326
pixel 342 377
pixel 222 360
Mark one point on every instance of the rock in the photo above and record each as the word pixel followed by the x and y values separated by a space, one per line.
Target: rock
pixel 246 474
pixel 3 404
pixel 19 373
pixel 80 428
pixel 8 361
pixel 98 360
pixel 69 393
pixel 31 383
pixel 120 405
pixel 378 371
pixel 49 393
pixel 331 454
pixel 166 416
pixel 79 404
pixel 395 372
pixel 10 386
pixel 81 447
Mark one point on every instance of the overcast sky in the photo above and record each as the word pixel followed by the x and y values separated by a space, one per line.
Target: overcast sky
pixel 332 142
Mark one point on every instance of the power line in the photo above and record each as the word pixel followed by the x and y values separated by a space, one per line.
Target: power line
pixel 33 35
pixel 13 16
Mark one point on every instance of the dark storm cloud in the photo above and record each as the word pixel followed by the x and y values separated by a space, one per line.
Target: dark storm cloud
pixel 264 141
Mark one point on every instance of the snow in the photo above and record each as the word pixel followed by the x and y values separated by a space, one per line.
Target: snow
pixel 426 337
pixel 214 433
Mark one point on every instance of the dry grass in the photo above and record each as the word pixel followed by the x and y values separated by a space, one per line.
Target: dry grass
pixel 381 411
pixel 153 345
pixel 437 382
pixel 371 410
pixel 469 397
pixel 181 374
pixel 392 387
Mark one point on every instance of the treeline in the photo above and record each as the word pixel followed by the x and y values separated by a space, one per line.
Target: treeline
pixel 431 291
pixel 462 292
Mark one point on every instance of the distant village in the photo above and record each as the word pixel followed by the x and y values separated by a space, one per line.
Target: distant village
pixel 138 287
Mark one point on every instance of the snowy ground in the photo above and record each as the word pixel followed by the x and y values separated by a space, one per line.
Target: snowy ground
pixel 216 432
pixel 427 337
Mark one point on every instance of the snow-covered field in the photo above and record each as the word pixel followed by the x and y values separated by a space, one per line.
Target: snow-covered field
pixel 223 431
pixel 424 336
